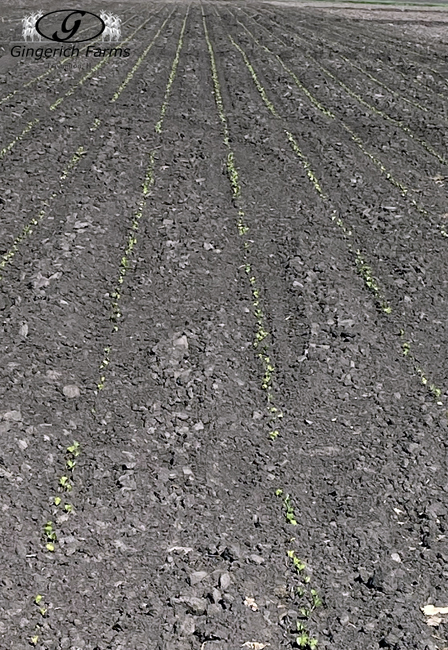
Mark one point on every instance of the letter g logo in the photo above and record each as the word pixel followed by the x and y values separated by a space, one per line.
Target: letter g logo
pixel 62 26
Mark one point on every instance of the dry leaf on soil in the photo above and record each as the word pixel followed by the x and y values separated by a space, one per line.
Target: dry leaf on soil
pixel 434 613
pixel 250 602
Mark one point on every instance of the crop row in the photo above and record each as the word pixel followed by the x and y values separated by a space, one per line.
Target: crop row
pixel 65 482
pixel 354 136
pixel 363 267
pixel 81 151
pixel 56 104
pixel 49 70
pixel 305 639
pixel 377 46
pixel 306 597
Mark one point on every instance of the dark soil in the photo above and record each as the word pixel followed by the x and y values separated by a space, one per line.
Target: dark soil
pixel 178 536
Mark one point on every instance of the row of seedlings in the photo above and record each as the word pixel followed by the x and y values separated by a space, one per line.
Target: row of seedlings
pixel 30 126
pixel 312 599
pixel 28 229
pixel 49 70
pixel 306 597
pixel 132 237
pixel 363 267
pixel 404 190
pixel 66 481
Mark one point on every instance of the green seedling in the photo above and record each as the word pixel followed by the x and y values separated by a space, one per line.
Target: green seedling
pixel 38 598
pixel 68 507
pixel 50 535
pixel 49 531
pixel 305 641
pixel 57 501
pixel 65 483
pixel 260 336
pixel 290 516
pixel 435 391
pixel 316 601
pixel 74 449
pixel 298 564
pixel 34 640
pixel 366 273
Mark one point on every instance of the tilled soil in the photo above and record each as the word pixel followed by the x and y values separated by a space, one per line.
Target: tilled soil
pixel 223 270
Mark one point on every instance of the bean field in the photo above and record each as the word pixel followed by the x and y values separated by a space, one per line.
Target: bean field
pixel 223 329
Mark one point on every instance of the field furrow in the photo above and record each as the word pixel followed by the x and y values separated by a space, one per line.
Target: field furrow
pixel 61 98
pixel 11 240
pixel 427 132
pixel 46 73
pixel 359 243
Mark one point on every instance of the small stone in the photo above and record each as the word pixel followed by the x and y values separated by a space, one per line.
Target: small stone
pixel 127 481
pixel 256 559
pixel 213 610
pixel 250 602
pixel 22 444
pixel 187 627
pixel 23 331
pixel 71 391
pixel 12 416
pixel 196 577
pixel 215 595
pixel 196 605
pixel 20 549
pixel 232 553
pixel 224 581
pixel 5 302
pixel 396 557
pixel 181 342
